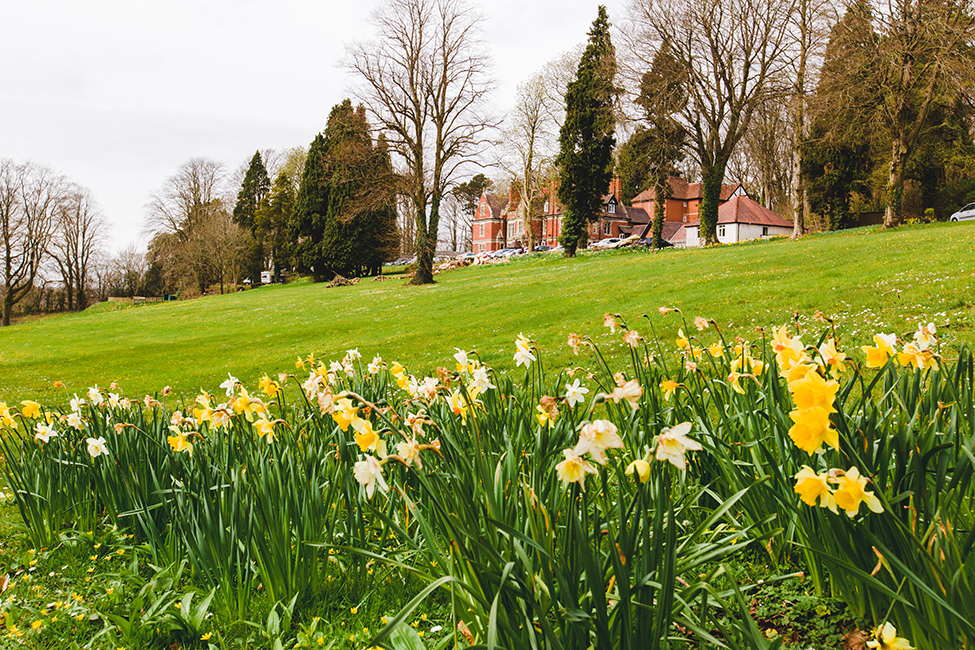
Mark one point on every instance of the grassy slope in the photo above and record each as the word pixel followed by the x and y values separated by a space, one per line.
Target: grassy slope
pixel 867 279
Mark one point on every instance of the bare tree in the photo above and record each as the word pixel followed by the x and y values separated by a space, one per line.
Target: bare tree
pixel 734 54
pixel 531 144
pixel 187 198
pixel 78 237
pixel 30 198
pixel 809 25
pixel 425 79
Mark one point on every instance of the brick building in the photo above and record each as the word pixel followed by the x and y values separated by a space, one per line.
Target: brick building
pixel 498 224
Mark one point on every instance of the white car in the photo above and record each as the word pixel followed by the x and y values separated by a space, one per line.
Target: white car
pixel 966 213
pixel 609 242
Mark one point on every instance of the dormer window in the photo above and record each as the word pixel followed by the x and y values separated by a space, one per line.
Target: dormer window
pixel 546 207
pixel 611 208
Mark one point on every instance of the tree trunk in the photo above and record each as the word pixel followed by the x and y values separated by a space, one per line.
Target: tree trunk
pixel 659 206
pixel 895 184
pixel 710 200
pixel 426 243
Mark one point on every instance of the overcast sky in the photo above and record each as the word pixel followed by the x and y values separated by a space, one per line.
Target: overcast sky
pixel 116 94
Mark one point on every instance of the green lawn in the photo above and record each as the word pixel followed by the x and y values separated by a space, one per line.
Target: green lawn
pixel 867 280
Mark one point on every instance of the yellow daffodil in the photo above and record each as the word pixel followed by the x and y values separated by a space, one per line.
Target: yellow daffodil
pixel 573 469
pixel 247 405
pixel 264 428
pixel 716 350
pixel 832 357
pixel 669 387
pixel 682 342
pixel 812 428
pixel 344 412
pixel 269 386
pixel 850 492
pixel 673 443
pixel 180 442
pixel 787 348
pixel 912 355
pixel 883 349
pixel 30 409
pixel 733 380
pixel 5 418
pixel 811 486
pixel 640 470
pixel 365 436
pixel 812 390
pixel 458 405
pixel 885 638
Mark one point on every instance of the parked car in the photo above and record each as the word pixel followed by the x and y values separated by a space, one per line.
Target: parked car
pixel 468 256
pixel 609 242
pixel 543 248
pixel 966 213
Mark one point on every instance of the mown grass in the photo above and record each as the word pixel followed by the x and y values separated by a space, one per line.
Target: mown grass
pixel 867 280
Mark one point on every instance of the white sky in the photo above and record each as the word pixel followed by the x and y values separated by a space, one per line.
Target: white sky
pixel 116 94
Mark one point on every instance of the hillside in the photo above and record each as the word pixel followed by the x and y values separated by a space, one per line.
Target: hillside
pixel 867 280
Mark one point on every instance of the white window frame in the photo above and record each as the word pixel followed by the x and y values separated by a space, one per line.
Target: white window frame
pixel 611 208
pixel 607 228
pixel 722 231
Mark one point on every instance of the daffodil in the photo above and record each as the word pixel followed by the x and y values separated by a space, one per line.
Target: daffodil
pixel 574 342
pixel 344 412
pixel 409 453
pixel 885 638
pixel 811 486
pixel 787 348
pixel 265 429
pixel 733 379
pixel 269 386
pixel 180 442
pixel 575 393
pixel 5 418
pixel 630 391
pixel 458 405
pixel 248 405
pixel 700 323
pixel 95 395
pixel 640 469
pixel 669 387
pixel 573 469
pixel 716 350
pixel 832 357
pixel 610 322
pixel 369 473
pixel 595 438
pixel 365 436
pixel 682 341
pixel 925 337
pixel 523 353
pixel 31 409
pixel 812 428
pixel 375 365
pixel 883 349
pixel 631 338
pixel 96 447
pixel 912 355
pixel 229 384
pixel 480 382
pixel 673 443
pixel 44 433
pixel 851 492
pixel 75 421
pixel 812 390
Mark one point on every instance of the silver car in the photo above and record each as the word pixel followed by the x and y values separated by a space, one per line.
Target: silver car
pixel 966 213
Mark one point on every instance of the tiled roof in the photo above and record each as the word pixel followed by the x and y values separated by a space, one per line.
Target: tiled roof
pixel 684 191
pixel 743 209
pixel 670 228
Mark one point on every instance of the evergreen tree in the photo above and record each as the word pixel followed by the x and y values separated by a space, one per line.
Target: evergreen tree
pixel 253 189
pixel 345 213
pixel 272 220
pixel 587 139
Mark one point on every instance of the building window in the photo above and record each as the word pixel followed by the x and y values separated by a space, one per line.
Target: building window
pixel 685 204
pixel 607 228
pixel 546 207
pixel 480 230
pixel 764 231
pixel 721 231
pixel 611 208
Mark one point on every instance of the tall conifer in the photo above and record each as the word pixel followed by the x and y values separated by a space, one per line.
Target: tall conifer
pixel 587 139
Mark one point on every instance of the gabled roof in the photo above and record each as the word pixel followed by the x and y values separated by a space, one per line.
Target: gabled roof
pixel 670 228
pixel 684 191
pixel 495 202
pixel 744 209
